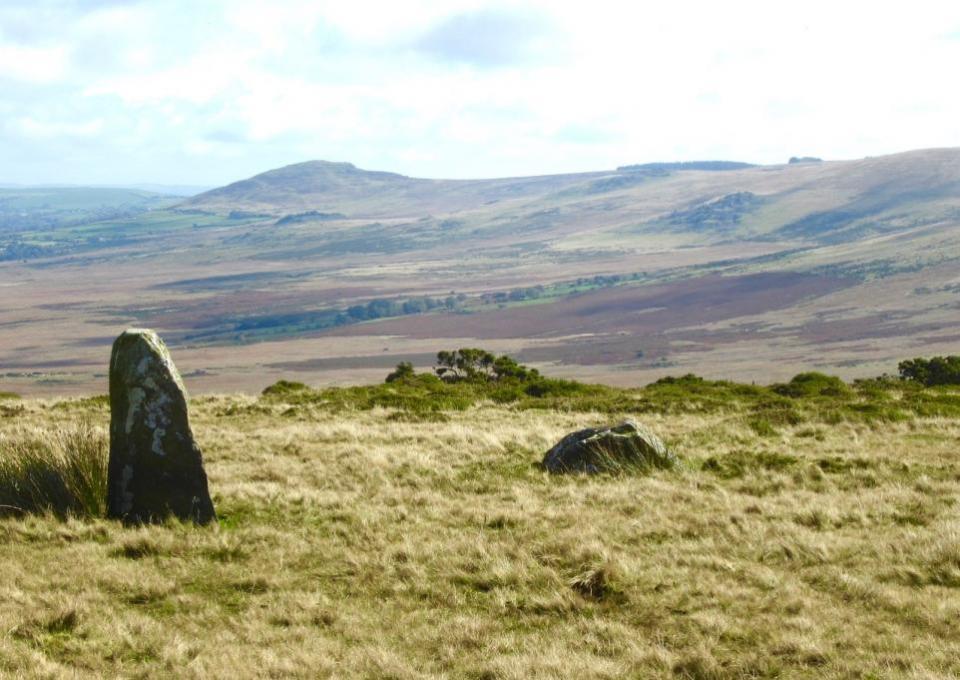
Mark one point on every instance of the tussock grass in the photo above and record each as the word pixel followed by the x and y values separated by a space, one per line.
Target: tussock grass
pixel 361 539
pixel 62 471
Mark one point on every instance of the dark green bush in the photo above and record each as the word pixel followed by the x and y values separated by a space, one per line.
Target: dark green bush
pixel 933 371
pixel 403 371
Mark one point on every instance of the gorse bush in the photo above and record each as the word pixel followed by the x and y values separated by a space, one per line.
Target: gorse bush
pixel 61 471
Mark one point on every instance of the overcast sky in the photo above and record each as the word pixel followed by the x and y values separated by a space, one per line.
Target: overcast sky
pixel 191 92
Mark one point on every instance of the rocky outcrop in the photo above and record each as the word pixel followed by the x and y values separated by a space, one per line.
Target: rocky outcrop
pixel 155 469
pixel 627 446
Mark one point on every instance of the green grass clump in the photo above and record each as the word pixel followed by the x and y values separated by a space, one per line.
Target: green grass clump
pixel 738 464
pixel 693 394
pixel 61 471
pixel 813 384
pixel 9 396
pixel 285 388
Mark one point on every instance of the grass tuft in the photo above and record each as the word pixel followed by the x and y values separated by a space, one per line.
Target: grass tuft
pixel 61 471
pixel 594 583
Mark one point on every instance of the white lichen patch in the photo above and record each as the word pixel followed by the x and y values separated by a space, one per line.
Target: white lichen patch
pixel 158 420
pixel 137 395
pixel 143 365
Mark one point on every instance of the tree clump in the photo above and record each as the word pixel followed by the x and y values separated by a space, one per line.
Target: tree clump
pixel 468 365
pixel 933 371
pixel 478 365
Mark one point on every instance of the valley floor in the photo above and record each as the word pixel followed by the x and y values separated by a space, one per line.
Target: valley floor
pixel 391 544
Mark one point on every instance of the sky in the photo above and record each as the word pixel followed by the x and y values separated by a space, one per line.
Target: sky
pixel 204 93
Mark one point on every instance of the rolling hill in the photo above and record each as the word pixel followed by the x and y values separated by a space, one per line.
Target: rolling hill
pixel 325 272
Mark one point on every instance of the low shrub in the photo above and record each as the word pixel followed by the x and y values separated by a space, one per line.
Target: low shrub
pixel 812 384
pixel 284 388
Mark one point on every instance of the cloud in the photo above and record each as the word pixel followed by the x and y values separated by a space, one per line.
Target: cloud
pixel 486 37
pixel 585 134
pixel 226 137
pixel 31 127
pixel 185 92
pixel 32 64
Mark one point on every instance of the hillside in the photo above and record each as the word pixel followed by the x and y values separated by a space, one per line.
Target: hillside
pixel 376 533
pixel 328 273
pixel 342 188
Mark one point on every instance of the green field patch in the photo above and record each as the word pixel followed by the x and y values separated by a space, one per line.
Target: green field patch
pixel 739 464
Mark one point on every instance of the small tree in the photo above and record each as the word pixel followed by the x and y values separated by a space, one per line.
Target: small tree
pixel 474 364
pixel 466 363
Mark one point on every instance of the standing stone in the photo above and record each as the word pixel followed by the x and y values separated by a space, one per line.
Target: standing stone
pixel 627 446
pixel 155 469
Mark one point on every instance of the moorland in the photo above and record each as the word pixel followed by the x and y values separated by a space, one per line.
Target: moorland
pixel 325 273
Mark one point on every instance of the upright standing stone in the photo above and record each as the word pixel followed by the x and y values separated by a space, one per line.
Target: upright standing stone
pixel 155 469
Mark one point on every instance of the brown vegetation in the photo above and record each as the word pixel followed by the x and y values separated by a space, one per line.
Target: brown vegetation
pixel 811 531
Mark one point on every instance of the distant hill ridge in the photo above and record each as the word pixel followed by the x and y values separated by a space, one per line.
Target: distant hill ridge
pixel 326 187
pixel 341 187
pixel 711 166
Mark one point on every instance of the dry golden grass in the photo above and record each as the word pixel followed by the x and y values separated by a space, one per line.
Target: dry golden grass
pixel 356 545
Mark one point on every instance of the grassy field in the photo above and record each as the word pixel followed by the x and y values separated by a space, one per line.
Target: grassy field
pixel 407 531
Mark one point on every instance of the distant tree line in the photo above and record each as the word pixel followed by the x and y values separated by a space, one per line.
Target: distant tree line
pixel 515 295
pixel 380 308
pixel 377 308
pixel 534 292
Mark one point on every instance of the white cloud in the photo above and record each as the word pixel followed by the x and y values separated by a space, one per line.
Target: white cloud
pixel 32 64
pixel 31 127
pixel 209 92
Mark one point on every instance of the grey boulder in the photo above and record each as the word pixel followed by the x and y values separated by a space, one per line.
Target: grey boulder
pixel 627 446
